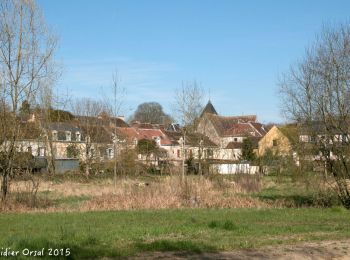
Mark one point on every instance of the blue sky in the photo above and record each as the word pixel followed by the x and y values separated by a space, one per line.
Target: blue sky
pixel 237 49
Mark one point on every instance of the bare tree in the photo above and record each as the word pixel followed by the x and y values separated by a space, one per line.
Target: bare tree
pixel 115 102
pixel 26 63
pixel 87 112
pixel 188 103
pixel 316 94
pixel 188 107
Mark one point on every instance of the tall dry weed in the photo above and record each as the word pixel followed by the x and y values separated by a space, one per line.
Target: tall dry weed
pixel 174 192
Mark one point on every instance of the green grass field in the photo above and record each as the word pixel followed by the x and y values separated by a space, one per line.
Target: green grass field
pixel 124 233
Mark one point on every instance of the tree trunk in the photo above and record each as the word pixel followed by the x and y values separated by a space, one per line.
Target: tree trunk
pixel 4 185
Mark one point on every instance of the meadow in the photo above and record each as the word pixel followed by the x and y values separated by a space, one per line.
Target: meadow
pixel 127 233
pixel 94 218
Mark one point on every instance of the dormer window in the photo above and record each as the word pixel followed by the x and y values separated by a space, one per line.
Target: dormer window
pixel 68 136
pixel 156 139
pixel 54 135
pixel 77 137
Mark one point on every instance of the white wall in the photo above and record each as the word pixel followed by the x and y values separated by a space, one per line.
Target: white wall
pixel 235 168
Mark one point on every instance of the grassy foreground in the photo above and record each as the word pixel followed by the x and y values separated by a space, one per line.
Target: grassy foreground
pixel 124 233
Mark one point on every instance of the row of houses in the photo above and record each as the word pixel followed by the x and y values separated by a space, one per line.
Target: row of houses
pixel 216 138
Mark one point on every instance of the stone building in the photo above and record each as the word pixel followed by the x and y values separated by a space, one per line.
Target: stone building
pixel 228 132
pixel 279 140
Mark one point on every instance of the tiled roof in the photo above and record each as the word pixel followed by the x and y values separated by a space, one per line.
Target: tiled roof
pixel 29 131
pixel 118 122
pixel 239 129
pixel 137 124
pixel 237 125
pixel 141 133
pixel 173 136
pixel 153 133
pixel 260 128
pixel 127 133
pixel 101 120
pixel 190 139
pixel 62 127
pixel 209 109
pixel 98 133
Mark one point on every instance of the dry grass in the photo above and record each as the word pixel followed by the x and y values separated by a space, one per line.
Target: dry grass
pixel 173 192
pixel 157 193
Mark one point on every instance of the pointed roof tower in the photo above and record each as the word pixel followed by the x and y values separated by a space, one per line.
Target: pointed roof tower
pixel 209 109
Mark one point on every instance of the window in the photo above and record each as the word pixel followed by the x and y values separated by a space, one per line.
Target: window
pixel 178 153
pixel 68 136
pixel 304 138
pixel 210 153
pixel 41 151
pixel 77 137
pixel 312 139
pixel 235 139
pixel 54 135
pixel 344 138
pixel 29 149
pixel 274 142
pixel 110 153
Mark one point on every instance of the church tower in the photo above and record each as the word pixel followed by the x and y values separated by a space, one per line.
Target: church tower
pixel 209 109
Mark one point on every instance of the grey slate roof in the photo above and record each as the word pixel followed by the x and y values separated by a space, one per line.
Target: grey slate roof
pixel 209 109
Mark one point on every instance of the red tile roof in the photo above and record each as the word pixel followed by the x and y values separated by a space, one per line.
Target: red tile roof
pixel 239 129
pixel 237 125
pixel 140 133
pixel 154 133
pixel 127 132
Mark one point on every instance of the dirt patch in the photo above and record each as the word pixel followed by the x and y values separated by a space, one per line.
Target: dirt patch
pixel 339 250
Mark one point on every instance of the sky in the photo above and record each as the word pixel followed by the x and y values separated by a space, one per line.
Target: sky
pixel 236 50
